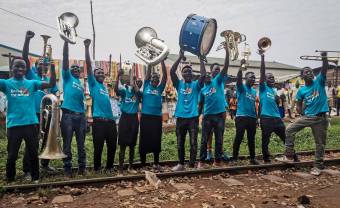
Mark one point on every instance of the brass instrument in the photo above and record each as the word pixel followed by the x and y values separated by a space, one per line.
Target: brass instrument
pixel 232 39
pixel 334 59
pixel 264 44
pixel 67 23
pixel 246 54
pixel 49 109
pixel 151 49
pixel 45 38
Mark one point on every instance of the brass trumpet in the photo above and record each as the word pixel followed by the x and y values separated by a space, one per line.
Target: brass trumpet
pixel 232 39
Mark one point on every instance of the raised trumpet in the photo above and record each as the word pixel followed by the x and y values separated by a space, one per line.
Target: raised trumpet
pixel 232 39
pixel 264 44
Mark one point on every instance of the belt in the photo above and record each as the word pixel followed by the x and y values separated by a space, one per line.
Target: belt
pixel 100 119
pixel 66 111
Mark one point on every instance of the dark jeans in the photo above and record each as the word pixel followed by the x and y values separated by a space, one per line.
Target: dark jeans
pixel 184 125
pixel 15 136
pixel 104 131
pixel 268 126
pixel 213 123
pixel 244 123
pixel 43 162
pixel 73 123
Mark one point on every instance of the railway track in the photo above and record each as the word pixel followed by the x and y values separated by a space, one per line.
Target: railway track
pixel 166 173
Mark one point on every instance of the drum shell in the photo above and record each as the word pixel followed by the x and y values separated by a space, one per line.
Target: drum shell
pixel 192 33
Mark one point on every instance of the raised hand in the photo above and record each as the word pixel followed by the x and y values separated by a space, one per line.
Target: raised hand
pixel 87 42
pixel 30 34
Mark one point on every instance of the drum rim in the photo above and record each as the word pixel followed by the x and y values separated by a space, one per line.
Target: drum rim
pixel 213 40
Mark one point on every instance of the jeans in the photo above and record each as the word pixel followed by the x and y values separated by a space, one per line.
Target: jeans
pixel 319 125
pixel 104 131
pixel 184 125
pixel 212 123
pixel 73 123
pixel 271 125
pixel 244 123
pixel 15 136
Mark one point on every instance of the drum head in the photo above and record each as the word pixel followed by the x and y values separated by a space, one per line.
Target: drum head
pixel 208 38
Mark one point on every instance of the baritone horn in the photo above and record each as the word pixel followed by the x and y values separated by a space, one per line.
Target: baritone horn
pixel 49 109
pixel 151 49
pixel 232 39
pixel 264 44
pixel 67 23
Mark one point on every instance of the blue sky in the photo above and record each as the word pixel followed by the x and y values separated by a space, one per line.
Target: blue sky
pixel 296 27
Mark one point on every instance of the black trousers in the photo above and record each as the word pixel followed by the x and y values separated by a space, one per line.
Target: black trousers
pixel 43 162
pixel 244 123
pixel 104 131
pixel 15 135
pixel 269 126
pixel 122 155
pixel 337 106
pixel 184 125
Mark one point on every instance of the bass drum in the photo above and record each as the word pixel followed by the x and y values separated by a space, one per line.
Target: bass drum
pixel 198 34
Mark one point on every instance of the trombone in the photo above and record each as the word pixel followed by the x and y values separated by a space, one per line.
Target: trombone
pixel 334 59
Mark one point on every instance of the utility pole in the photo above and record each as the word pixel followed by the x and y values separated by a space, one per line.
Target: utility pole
pixel 94 35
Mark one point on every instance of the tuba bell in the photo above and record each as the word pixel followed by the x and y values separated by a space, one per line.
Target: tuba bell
pixel 151 49
pixel 67 23
pixel 264 44
pixel 232 39
pixel 49 109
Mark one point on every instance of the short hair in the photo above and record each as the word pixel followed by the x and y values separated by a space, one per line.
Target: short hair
pixel 155 74
pixel 304 69
pixel 249 73
pixel 97 68
pixel 14 59
pixel 213 64
pixel 186 67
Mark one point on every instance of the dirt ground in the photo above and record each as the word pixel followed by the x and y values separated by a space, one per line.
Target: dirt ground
pixel 256 189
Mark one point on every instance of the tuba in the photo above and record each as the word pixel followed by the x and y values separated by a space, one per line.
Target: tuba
pixel 49 109
pixel 151 49
pixel 232 39
pixel 67 23
pixel 264 44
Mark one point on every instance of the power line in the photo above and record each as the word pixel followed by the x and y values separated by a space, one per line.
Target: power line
pixel 33 20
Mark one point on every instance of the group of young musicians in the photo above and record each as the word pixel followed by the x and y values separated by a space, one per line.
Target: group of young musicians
pixel 205 96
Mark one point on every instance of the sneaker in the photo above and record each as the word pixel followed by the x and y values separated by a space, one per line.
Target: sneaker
pixel 27 176
pixel 178 167
pixel 285 159
pixel 131 170
pixel 226 157
pixel 48 168
pixel 209 156
pixel 35 181
pixel 267 161
pixel 296 159
pixel 68 174
pixel 82 172
pixel 109 170
pixel 315 171
pixel 254 162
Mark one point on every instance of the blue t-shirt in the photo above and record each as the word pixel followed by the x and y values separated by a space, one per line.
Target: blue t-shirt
pixel 20 96
pixel 268 103
pixel 314 96
pixel 246 97
pixel 152 99
pixel 38 95
pixel 129 102
pixel 187 103
pixel 73 93
pixel 214 98
pixel 101 104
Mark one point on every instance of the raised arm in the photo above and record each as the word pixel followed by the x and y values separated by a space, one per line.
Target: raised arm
pixel 65 56
pixel 116 88
pixel 87 43
pixel 203 72
pixel 240 75
pixel 324 63
pixel 25 50
pixel 263 69
pixel 52 81
pixel 226 63
pixel 173 75
pixel 148 73
pixel 164 73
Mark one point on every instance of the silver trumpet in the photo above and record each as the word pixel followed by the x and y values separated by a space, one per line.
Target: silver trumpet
pixel 151 49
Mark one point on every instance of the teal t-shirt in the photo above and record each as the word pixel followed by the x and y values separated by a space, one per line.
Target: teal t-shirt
pixel 314 96
pixel 101 104
pixel 20 96
pixel 268 103
pixel 129 100
pixel 73 93
pixel 214 98
pixel 38 95
pixel 187 103
pixel 246 97
pixel 152 99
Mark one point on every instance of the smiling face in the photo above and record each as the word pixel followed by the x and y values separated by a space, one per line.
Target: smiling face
pixel 307 74
pixel 99 75
pixel 75 70
pixel 250 78
pixel 270 79
pixel 155 79
pixel 19 68
pixel 187 74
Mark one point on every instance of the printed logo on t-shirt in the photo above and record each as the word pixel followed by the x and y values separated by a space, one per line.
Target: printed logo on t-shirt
pixel 152 92
pixel 103 92
pixel 130 100
pixel 270 96
pixel 22 92
pixel 250 96
pixel 186 91
pixel 77 86
pixel 210 92
pixel 313 96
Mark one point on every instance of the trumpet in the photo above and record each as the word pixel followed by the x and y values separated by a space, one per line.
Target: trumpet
pixel 47 51
pixel 232 39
